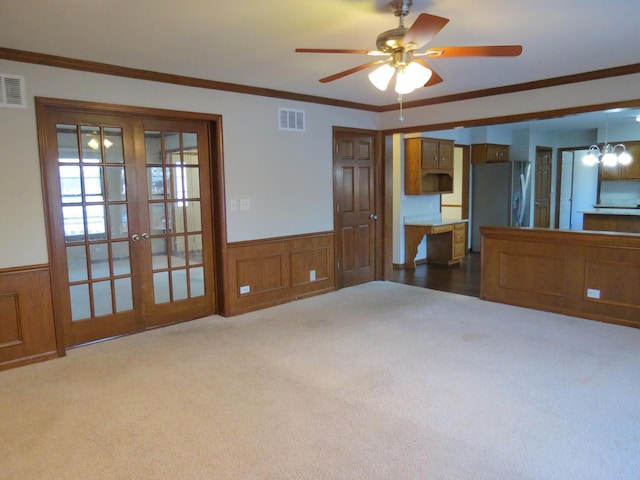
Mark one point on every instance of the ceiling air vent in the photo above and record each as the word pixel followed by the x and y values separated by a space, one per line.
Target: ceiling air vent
pixel 12 92
pixel 291 119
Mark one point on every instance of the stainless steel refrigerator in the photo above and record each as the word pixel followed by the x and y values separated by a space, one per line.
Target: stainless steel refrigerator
pixel 500 195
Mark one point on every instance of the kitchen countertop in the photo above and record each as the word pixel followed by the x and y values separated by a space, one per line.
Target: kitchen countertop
pixel 430 221
pixel 612 211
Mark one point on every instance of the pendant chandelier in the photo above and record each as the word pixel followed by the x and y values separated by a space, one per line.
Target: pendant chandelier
pixel 609 155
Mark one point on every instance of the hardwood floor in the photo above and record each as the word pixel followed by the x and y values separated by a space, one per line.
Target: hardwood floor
pixel 463 279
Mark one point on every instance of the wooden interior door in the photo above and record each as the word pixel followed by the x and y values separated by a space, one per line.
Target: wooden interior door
pixel 109 272
pixel 355 208
pixel 177 233
pixel 542 213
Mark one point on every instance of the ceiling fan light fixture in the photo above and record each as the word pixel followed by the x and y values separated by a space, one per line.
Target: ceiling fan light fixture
pixel 381 76
pixel 401 44
pixel 94 143
pixel 410 77
pixel 403 83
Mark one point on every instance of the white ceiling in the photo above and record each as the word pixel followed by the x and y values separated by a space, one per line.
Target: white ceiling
pixel 252 42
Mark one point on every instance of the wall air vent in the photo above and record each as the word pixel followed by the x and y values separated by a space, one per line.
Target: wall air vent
pixel 291 119
pixel 12 92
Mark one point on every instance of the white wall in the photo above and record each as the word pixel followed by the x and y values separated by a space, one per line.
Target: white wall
pixel 286 175
pixel 595 92
pixel 619 133
pixel 491 134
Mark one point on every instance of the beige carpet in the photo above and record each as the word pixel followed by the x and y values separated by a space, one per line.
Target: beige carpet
pixel 379 381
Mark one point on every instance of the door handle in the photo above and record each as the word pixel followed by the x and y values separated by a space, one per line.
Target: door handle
pixel 146 236
pixel 373 216
pixel 135 237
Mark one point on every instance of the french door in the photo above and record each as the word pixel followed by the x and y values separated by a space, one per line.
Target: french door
pixel 129 220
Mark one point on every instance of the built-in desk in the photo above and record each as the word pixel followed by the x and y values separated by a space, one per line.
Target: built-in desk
pixel 446 240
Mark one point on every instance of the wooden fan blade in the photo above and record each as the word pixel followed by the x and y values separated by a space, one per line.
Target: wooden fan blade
pixel 423 30
pixel 478 51
pixel 329 50
pixel 336 76
pixel 435 78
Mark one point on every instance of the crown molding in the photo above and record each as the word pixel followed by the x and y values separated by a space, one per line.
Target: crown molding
pixel 521 87
pixel 140 74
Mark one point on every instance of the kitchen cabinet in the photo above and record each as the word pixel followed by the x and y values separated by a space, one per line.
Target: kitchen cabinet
pixel 428 166
pixel 624 172
pixel 489 152
pixel 612 220
pixel 436 154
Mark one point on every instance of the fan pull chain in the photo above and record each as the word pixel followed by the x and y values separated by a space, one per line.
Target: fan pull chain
pixel 400 102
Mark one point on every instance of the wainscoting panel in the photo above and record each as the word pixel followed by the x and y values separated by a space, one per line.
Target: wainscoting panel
pixel 10 321
pixel 531 273
pixel 264 273
pixel 619 283
pixel 27 331
pixel 594 275
pixel 312 264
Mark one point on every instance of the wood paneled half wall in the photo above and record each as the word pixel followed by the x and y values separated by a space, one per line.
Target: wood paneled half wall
pixel 27 331
pixel 263 273
pixel 594 275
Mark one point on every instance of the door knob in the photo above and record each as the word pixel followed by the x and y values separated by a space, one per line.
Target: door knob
pixel 135 237
pixel 146 236
pixel 373 216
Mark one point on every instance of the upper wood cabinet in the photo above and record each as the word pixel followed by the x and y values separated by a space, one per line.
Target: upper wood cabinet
pixel 489 152
pixel 436 154
pixel 627 172
pixel 632 171
pixel 428 166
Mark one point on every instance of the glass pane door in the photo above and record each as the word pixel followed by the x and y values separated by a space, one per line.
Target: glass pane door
pixel 129 216
pixel 177 204
pixel 93 247
pixel 95 221
pixel 173 187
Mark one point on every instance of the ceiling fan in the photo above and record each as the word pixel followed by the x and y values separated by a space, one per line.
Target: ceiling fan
pixel 400 49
